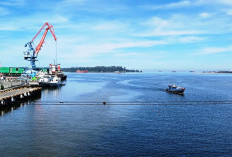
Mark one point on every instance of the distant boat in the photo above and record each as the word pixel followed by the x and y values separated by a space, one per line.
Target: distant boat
pixel 175 89
pixel 173 71
pixel 191 71
pixel 81 71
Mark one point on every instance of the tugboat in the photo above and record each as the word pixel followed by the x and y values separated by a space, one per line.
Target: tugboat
pixel 56 70
pixel 175 89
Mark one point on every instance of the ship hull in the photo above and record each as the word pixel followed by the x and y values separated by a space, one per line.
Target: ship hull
pixel 62 76
pixel 178 91
pixel 48 84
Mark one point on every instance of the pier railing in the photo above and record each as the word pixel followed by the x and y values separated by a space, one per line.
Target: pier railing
pixel 11 83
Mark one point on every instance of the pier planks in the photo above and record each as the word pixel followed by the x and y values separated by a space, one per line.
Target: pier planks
pixel 17 92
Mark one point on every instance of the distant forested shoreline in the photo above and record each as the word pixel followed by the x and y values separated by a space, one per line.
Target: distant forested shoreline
pixel 100 69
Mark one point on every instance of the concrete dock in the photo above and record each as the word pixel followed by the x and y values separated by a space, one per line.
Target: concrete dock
pixel 18 94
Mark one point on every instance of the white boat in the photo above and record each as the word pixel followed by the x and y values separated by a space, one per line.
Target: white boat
pixel 44 80
pixel 50 81
pixel 55 82
pixel 42 74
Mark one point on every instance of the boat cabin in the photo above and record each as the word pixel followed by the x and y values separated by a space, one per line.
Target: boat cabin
pixel 172 87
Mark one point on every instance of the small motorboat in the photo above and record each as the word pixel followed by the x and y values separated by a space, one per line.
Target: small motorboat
pixel 50 81
pixel 175 89
pixel 55 82
pixel 44 80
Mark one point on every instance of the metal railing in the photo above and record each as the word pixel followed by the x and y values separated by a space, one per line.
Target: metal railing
pixel 12 83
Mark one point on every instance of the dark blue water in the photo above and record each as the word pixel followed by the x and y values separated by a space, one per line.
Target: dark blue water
pixel 175 127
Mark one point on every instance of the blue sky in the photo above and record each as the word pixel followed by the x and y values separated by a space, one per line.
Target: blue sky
pixel 138 34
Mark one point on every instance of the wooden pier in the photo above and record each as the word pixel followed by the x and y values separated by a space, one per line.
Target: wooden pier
pixel 8 97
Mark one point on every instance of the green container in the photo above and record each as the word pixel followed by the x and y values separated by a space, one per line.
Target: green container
pixel 13 70
pixel 45 70
pixel 4 69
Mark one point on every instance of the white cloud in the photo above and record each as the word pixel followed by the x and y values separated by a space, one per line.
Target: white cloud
pixel 187 39
pixel 8 28
pixel 174 26
pixel 204 15
pixel 110 25
pixel 90 49
pixel 31 22
pixel 4 11
pixel 227 2
pixel 68 3
pixel 12 2
pixel 188 3
pixel 214 50
pixel 213 2
pixel 159 32
pixel 179 4
pixel 179 25
pixel 89 6
pixel 228 12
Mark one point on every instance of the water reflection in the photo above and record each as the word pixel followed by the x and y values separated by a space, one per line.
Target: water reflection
pixel 51 94
pixel 4 109
pixel 52 91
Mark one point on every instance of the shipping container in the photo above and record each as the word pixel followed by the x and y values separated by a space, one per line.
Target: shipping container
pixel 45 70
pixel 8 70
pixel 13 70
pixel 4 69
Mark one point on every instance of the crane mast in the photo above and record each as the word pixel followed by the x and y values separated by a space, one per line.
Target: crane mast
pixel 32 53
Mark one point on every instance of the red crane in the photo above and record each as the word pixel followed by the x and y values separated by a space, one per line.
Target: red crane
pixel 49 27
pixel 32 56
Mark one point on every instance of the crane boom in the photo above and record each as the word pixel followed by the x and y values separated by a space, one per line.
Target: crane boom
pixel 32 53
pixel 49 27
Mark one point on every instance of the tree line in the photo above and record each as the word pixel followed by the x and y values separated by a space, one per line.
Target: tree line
pixel 100 69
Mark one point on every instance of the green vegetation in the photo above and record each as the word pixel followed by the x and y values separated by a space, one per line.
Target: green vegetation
pixel 224 72
pixel 217 71
pixel 2 87
pixel 100 69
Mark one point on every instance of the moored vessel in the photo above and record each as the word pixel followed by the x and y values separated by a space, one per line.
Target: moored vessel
pixel 50 81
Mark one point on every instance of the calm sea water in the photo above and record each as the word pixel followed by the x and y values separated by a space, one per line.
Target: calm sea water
pixel 186 125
